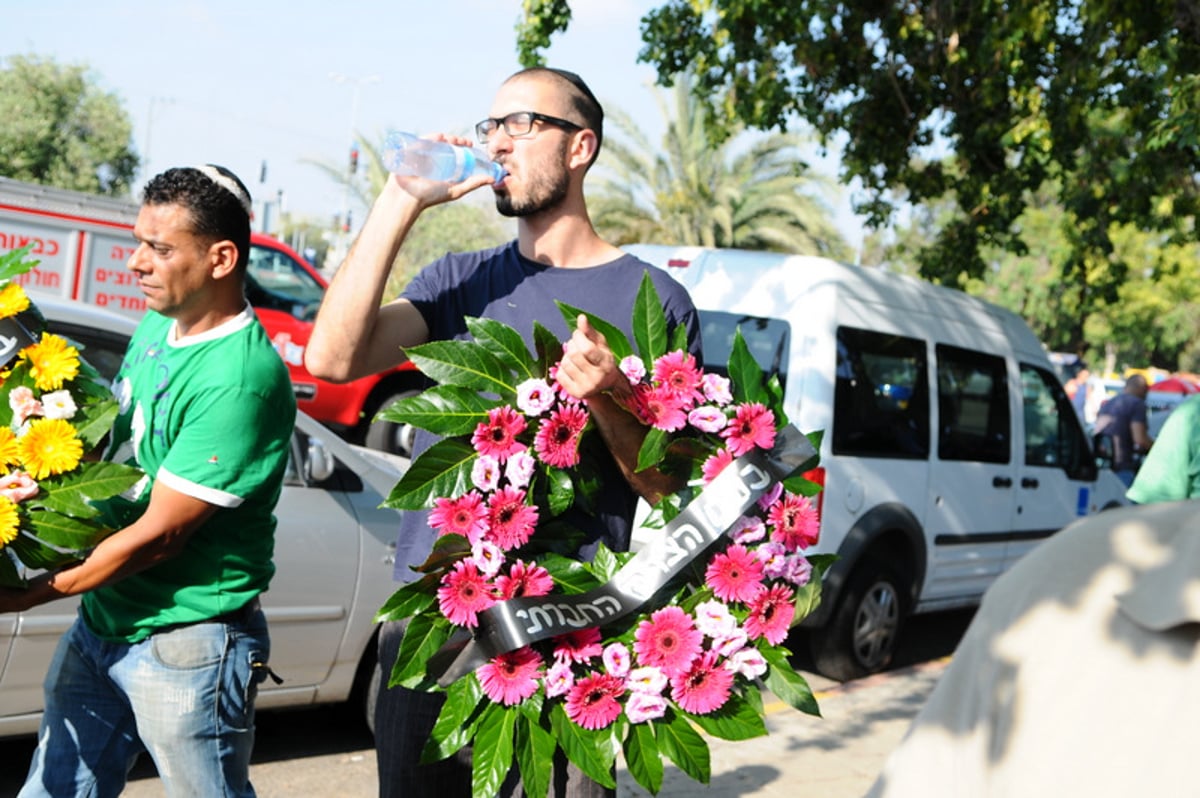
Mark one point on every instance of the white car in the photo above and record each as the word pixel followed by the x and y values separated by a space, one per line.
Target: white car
pixel 334 549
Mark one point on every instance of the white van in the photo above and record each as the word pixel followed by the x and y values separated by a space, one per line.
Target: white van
pixel 950 448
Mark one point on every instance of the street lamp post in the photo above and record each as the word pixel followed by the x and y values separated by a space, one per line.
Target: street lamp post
pixel 357 83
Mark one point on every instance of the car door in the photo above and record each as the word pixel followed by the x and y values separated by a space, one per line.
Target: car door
pixel 972 474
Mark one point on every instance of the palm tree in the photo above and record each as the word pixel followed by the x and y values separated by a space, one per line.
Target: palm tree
pixel 690 191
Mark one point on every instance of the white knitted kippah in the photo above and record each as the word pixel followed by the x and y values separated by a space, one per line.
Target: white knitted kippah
pixel 227 183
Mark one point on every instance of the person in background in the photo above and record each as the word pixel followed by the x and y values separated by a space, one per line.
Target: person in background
pixel 1077 390
pixel 1123 420
pixel 545 128
pixel 171 643
pixel 1171 471
pixel 1077 675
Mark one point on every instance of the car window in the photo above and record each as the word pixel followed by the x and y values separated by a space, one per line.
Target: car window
pixel 881 397
pixel 275 281
pixel 1053 435
pixel 973 412
pixel 768 340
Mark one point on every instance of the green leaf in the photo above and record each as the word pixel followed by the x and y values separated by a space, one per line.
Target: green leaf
pixel 426 633
pixel 492 754
pixel 95 481
pixel 654 448
pixel 464 363
pixel 457 721
pixel 443 410
pixel 735 720
pixel 547 346
pixel 64 532
pixel 14 263
pixel 683 745
pixel 560 491
pixel 745 373
pixel 593 751
pixel 807 598
pixel 649 322
pixel 535 747
pixel 642 758
pixel 604 564
pixel 569 574
pixel 94 420
pixel 787 685
pixel 442 470
pixel 615 339
pixel 506 344
pixel 410 599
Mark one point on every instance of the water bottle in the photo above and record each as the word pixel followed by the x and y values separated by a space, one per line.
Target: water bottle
pixel 406 154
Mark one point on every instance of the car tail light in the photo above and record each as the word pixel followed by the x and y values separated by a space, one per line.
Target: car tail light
pixel 678 263
pixel 817 475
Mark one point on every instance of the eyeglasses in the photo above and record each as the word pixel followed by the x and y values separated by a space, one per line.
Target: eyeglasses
pixel 520 124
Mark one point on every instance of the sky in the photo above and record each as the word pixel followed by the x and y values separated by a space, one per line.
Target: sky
pixel 240 82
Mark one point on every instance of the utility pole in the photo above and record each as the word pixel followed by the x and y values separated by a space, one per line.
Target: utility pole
pixel 344 217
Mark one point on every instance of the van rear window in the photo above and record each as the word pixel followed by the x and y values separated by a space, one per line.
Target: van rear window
pixel 767 339
pixel 881 399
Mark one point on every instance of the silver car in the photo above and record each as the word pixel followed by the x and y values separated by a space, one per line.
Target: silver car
pixel 334 548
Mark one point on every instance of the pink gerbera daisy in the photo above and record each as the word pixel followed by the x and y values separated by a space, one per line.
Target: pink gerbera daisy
pixel 511 521
pixel 771 615
pixel 715 465
pixel 467 516
pixel 524 580
pixel 795 522
pixel 668 640
pixel 753 425
pixel 659 408
pixel 676 371
pixel 578 646
pixel 705 687
pixel 464 593
pixel 511 677
pixel 497 437
pixel 592 701
pixel 735 574
pixel 557 440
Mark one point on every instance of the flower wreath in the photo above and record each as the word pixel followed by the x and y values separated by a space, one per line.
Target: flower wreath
pixel 55 409
pixel 629 652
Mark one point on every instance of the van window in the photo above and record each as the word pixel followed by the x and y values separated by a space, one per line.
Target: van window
pixel 1053 435
pixel 275 281
pixel 974 422
pixel 768 340
pixel 881 399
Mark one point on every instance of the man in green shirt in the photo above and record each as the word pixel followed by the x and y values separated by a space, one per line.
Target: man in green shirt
pixel 171 643
pixel 1171 471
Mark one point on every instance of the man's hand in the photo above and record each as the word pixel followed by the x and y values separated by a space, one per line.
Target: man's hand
pixel 588 367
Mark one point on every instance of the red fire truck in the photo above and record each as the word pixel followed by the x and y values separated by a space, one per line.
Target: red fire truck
pixel 83 243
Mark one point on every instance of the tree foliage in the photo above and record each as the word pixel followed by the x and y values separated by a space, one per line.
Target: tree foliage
pixel 60 129
pixel 692 191
pixel 1102 98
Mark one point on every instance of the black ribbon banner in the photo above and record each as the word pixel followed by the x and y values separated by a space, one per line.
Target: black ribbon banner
pixel 13 338
pixel 518 622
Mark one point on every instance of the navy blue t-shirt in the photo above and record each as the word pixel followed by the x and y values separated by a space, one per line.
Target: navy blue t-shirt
pixel 502 285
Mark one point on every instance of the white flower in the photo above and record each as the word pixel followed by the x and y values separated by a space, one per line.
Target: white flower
pixel 748 662
pixel 647 679
pixel 559 679
pixel 485 474
pixel 716 389
pixel 616 659
pixel 633 368
pixel 642 707
pixel 59 404
pixel 534 397
pixel 487 557
pixel 519 468
pixel 714 619
pixel 707 418
pixel 748 529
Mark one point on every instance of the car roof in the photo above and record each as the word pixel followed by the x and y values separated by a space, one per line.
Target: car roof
pixel 70 311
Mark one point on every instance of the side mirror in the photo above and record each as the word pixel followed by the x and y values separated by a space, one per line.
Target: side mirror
pixel 318 462
pixel 1102 447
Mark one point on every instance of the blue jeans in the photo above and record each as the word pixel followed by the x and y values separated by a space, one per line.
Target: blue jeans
pixel 184 695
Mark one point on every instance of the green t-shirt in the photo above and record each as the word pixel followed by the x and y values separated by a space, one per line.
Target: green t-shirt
pixel 211 416
pixel 1171 470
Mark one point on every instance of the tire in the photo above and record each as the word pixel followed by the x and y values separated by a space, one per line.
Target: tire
pixel 861 634
pixel 387 436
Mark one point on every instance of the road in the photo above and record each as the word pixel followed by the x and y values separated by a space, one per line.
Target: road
pixel 326 752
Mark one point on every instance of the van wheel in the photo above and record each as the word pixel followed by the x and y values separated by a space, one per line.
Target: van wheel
pixel 387 436
pixel 860 637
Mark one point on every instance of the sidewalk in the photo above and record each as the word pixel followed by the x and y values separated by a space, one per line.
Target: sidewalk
pixel 835 756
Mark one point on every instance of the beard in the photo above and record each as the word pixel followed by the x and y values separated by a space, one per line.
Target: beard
pixel 547 189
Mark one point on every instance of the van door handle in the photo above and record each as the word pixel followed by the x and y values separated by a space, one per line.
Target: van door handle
pixel 1001 482
pixel 1028 482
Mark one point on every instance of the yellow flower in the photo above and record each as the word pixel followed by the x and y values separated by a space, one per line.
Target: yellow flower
pixel 49 447
pixel 9 521
pixel 52 361
pixel 13 300
pixel 9 456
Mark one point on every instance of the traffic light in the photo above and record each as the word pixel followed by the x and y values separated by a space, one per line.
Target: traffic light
pixel 354 157
pixel 346 223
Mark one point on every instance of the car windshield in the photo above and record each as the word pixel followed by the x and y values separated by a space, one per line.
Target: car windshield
pixel 274 280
